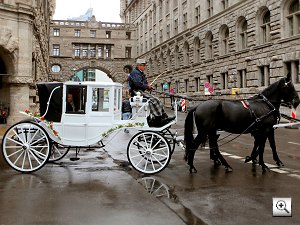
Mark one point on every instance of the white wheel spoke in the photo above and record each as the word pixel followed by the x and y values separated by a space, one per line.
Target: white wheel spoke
pixel 151 140
pixel 160 149
pixel 29 159
pixel 18 157
pixel 157 160
pixel 139 143
pixel 40 146
pixel 24 159
pixel 37 152
pixel 18 143
pixel 55 149
pixel 156 143
pixel 35 157
pixel 38 140
pixel 152 164
pixel 15 152
pixel 23 141
pixel 139 155
pixel 159 154
pixel 139 162
pixel 35 133
pixel 13 147
pixel 146 164
pixel 145 140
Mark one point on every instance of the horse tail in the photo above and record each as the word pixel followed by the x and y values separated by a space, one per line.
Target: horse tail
pixel 189 127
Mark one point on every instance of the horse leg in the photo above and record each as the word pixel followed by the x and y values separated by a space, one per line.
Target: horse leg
pixel 271 138
pixel 261 148
pixel 213 154
pixel 213 144
pixel 190 152
pixel 254 154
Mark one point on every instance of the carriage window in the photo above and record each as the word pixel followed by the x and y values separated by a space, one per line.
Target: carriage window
pixel 76 99
pixel 100 100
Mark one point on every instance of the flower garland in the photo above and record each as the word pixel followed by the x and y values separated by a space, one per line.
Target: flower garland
pixel 49 124
pixel 105 134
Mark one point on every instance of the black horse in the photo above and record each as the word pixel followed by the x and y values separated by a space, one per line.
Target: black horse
pixel 232 116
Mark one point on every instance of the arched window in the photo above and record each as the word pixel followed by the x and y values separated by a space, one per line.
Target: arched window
pixel 242 27
pixel 186 57
pixel 224 40
pixel 293 18
pixel 265 27
pixel 55 68
pixel 176 57
pixel 208 45
pixel 197 50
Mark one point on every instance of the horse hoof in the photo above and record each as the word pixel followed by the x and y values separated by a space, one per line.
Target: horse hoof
pixel 228 169
pixel 247 159
pixel 279 163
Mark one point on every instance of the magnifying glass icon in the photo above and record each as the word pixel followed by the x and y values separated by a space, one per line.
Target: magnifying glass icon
pixel 281 205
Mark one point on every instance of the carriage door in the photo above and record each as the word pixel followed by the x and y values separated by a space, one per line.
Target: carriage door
pixel 74 118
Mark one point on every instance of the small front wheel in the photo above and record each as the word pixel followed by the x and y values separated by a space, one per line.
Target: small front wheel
pixel 26 146
pixel 58 151
pixel 148 152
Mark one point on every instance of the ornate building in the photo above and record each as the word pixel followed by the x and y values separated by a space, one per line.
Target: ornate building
pixel 81 47
pixel 24 55
pixel 246 44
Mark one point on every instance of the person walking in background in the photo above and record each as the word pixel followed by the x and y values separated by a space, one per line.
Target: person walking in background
pixel 128 69
pixel 138 82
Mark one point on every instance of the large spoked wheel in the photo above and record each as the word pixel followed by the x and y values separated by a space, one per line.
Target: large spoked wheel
pixel 26 147
pixel 170 138
pixel 58 151
pixel 148 152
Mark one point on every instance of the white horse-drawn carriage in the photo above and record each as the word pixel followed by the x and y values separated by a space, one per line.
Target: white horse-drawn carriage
pixel 96 110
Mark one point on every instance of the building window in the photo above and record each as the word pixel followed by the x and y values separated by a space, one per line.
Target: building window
pixel 224 80
pixel 175 26
pixel 56 50
pixel 160 9
pixel 128 35
pixel 210 79
pixel 167 6
pixel 175 2
pixel 177 64
pixel 186 54
pixel 292 67
pixel 265 27
pixel 241 78
pixel 77 51
pixel 177 86
pixel 293 18
pixel 224 35
pixel 56 32
pixel 92 51
pixel 108 34
pixel 208 45
pixel 150 43
pixel 128 52
pixel 168 30
pixel 154 40
pixel 108 52
pixel 185 21
pixel 264 75
pixel 197 84
pixel 160 36
pixel 168 59
pixel 150 18
pixel 197 15
pixel 55 68
pixel 224 4
pixel 93 33
pixel 197 50
pixel 84 51
pixel 100 51
pixel 77 33
pixel 242 33
pixel 210 8
pixel 186 81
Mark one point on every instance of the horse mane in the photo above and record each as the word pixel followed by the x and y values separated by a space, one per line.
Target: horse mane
pixel 271 88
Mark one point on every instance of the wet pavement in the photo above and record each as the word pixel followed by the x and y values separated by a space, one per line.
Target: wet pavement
pixel 101 188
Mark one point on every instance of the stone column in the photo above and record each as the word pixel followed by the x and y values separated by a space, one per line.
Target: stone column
pixel 19 99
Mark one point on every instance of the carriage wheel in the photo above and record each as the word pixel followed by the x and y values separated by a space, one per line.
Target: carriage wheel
pixel 154 187
pixel 26 147
pixel 58 151
pixel 170 138
pixel 148 152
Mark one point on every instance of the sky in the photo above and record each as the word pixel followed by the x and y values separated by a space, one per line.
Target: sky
pixel 104 10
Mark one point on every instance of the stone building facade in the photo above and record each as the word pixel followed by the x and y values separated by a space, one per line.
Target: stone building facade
pixel 81 45
pixel 246 44
pixel 24 55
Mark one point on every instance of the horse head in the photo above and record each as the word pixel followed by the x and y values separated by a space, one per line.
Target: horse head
pixel 289 93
